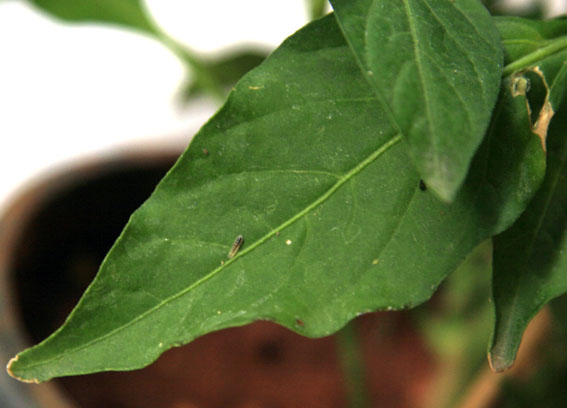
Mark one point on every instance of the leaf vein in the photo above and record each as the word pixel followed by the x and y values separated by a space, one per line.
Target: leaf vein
pixel 423 83
pixel 344 179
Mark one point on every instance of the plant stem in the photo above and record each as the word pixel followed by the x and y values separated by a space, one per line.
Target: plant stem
pixel 530 59
pixel 352 361
pixel 202 75
pixel 192 63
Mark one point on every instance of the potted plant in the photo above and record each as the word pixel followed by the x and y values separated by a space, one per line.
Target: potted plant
pixel 352 171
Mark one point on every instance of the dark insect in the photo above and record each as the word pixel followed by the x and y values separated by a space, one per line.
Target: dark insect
pixel 422 185
pixel 236 246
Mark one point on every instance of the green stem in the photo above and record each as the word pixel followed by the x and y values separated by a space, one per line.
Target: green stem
pixel 555 46
pixel 202 75
pixel 352 362
pixel 192 63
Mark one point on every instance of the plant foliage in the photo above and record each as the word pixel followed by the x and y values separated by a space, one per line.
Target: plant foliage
pixel 361 163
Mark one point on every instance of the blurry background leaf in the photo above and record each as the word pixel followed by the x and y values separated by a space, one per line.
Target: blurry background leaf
pixel 437 65
pixel 457 323
pixel 227 70
pixel 126 13
pixel 304 162
pixel 528 9
pixel 133 14
pixel 317 8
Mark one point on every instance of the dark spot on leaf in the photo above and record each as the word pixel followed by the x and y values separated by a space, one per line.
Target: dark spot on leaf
pixel 422 185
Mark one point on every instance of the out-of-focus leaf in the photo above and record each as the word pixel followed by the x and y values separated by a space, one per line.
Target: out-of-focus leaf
pixel 530 259
pixel 305 163
pixel 437 65
pixel 126 13
pixel 317 8
pixel 457 326
pixel 226 71
pixel 131 14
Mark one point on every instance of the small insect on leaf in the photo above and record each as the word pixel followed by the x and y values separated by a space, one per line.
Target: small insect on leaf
pixel 236 246
pixel 422 185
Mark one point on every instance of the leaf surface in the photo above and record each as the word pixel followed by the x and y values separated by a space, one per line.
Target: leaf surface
pixel 126 13
pixel 304 162
pixel 437 65
pixel 530 259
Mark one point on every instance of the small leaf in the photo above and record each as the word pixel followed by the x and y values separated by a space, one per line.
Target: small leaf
pixel 126 13
pixel 303 162
pixel 437 65
pixel 530 259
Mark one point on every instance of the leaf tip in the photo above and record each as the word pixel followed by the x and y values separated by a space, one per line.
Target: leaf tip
pixel 10 371
pixel 442 189
pixel 498 363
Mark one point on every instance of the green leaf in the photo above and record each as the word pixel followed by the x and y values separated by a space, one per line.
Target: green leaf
pixel 530 259
pixel 127 13
pixel 304 162
pixel 437 65
pixel 537 50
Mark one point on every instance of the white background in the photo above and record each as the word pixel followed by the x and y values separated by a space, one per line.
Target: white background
pixel 69 92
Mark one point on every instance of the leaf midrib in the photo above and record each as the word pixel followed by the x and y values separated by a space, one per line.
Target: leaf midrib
pixel 344 179
pixel 552 47
pixel 423 83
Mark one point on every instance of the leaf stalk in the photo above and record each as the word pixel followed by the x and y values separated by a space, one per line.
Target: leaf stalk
pixel 534 57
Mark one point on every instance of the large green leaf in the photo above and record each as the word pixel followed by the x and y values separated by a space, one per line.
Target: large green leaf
pixel 437 65
pixel 530 259
pixel 305 163
pixel 127 13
